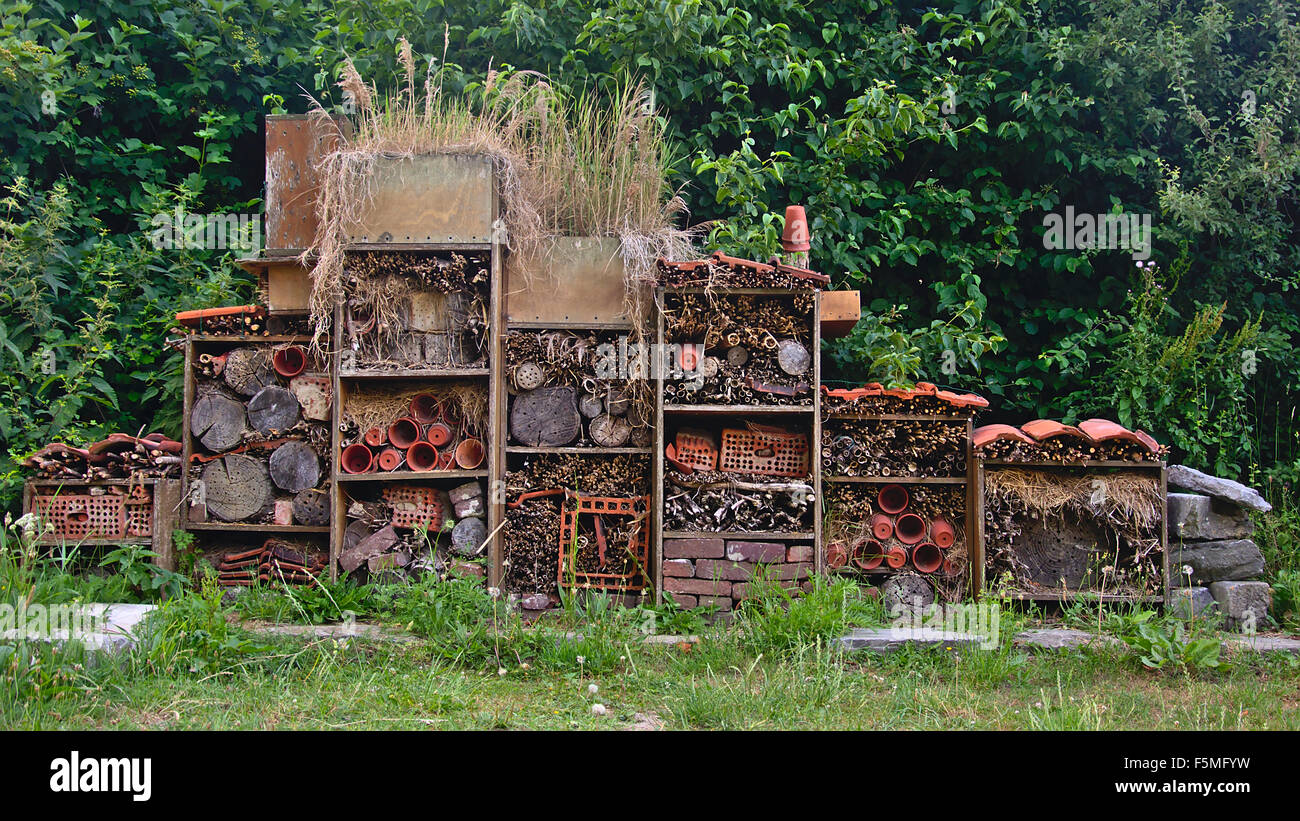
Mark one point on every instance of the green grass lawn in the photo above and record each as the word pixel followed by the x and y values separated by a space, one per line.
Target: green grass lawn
pixel 719 683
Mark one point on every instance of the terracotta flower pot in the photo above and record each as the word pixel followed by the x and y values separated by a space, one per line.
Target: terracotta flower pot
pixel 356 458
pixel 469 454
pixel 882 527
pixel 927 557
pixel 795 237
pixel 290 361
pixel 892 499
pixel 909 528
pixel 424 407
pixel 942 532
pixel 404 432
pixel 869 554
pixel 389 459
pixel 375 437
pixel 896 557
pixel 439 434
pixel 836 555
pixel 421 457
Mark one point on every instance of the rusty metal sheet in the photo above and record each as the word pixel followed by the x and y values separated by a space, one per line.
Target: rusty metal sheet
pixel 288 286
pixel 575 280
pixel 429 198
pixel 839 312
pixel 294 148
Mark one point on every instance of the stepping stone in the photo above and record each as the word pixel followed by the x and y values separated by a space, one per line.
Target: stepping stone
pixel 889 639
pixel 1062 638
pixel 108 627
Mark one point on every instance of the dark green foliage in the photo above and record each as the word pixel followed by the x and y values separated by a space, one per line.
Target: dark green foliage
pixel 927 146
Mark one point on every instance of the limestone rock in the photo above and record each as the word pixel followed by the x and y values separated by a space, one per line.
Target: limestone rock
pixel 1196 518
pixel 1230 560
pixel 1225 489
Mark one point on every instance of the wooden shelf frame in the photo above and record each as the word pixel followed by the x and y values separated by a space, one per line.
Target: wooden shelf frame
pixel 974 518
pixel 493 470
pixel 982 466
pixel 809 417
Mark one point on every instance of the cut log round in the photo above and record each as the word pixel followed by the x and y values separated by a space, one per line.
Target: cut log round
pixel 589 405
pixel 792 357
pixel 295 466
pixel 616 402
pixel 273 409
pixel 737 356
pixel 468 535
pixel 237 487
pixel 709 367
pixel 248 370
pixel 217 421
pixel 311 507
pixel 529 376
pixel 610 431
pixel 546 417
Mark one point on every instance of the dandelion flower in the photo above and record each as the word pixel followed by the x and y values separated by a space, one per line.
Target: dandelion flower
pixel 592 689
pixel 598 709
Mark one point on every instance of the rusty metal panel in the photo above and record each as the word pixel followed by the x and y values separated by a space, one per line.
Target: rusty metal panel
pixel 430 198
pixel 839 312
pixel 294 148
pixel 288 286
pixel 576 280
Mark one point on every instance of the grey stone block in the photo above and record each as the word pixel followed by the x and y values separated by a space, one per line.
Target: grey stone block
pixel 1243 603
pixel 1225 489
pixel 1192 603
pixel 1196 518
pixel 1062 638
pixel 1231 560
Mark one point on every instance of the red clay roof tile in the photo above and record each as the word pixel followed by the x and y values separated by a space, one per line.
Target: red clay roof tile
pixel 984 434
pixel 1042 429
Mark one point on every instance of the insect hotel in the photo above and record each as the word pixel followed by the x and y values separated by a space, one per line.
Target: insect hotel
pixel 428 387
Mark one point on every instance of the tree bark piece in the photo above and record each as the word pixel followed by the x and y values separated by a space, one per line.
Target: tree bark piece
pixel 237 487
pixel 546 417
pixel 295 466
pixel 217 421
pixel 273 409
